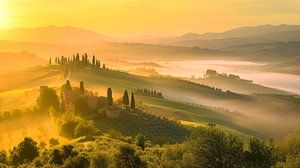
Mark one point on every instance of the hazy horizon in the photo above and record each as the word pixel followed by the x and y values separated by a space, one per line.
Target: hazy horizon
pixel 132 18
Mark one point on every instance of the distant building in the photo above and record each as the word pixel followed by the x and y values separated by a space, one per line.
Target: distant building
pixel 92 102
pixel 95 103
pixel 112 112
pixel 69 99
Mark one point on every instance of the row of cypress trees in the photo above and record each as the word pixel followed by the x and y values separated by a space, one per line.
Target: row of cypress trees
pixel 109 95
pixel 83 61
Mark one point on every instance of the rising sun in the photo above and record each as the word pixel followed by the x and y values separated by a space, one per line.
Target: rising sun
pixel 3 16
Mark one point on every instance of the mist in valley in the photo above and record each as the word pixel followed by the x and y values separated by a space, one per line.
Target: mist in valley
pixel 159 87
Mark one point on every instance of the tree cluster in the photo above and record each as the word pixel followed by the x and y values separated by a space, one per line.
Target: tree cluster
pixel 148 92
pixel 214 74
pixel 206 147
pixel 79 61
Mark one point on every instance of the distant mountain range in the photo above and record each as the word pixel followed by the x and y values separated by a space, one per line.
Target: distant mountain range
pixel 55 35
pixel 254 43
pixel 243 32
pixel 78 36
pixel 243 35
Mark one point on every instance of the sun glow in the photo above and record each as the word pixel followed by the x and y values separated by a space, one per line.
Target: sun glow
pixel 3 15
pixel 143 17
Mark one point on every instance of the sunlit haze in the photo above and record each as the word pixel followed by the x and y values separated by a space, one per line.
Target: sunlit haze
pixel 150 83
pixel 143 17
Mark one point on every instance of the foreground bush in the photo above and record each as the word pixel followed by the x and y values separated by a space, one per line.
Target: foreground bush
pixel 213 148
pixel 127 158
pixel 26 151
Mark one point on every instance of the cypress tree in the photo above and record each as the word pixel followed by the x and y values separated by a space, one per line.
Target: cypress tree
pixel 86 59
pixel 103 66
pixel 50 61
pixel 68 86
pixel 81 88
pixel 125 98
pixel 82 59
pixel 62 59
pixel 77 57
pixel 132 103
pixel 94 60
pixel 109 97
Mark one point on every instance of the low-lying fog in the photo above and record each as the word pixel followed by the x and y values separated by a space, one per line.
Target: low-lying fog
pixel 246 70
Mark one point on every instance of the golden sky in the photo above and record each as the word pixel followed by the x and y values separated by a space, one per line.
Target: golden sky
pixel 148 17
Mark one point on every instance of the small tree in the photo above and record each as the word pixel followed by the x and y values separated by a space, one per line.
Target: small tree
pixel 3 157
pixel 47 98
pixel 109 97
pixel 27 150
pixel 99 160
pixel 140 141
pixel 81 88
pixel 56 157
pixel 53 142
pixel 126 99
pixel 68 151
pixel 261 154
pixel 50 62
pixel 127 158
pixel 87 129
pixel 80 161
pixel 132 103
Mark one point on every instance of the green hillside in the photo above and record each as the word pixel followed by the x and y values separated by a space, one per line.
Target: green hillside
pixel 258 114
pixel 253 112
pixel 197 114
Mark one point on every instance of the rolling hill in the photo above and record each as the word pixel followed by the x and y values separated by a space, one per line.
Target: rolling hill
pixel 18 60
pixel 285 36
pixel 194 39
pixel 260 51
pixel 249 114
pixel 54 35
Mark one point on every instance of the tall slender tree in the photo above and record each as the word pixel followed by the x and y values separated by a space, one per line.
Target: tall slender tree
pixel 132 103
pixel 81 88
pixel 126 99
pixel 94 60
pixel 86 60
pixel 82 60
pixel 109 97
pixel 50 61
pixel 68 86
